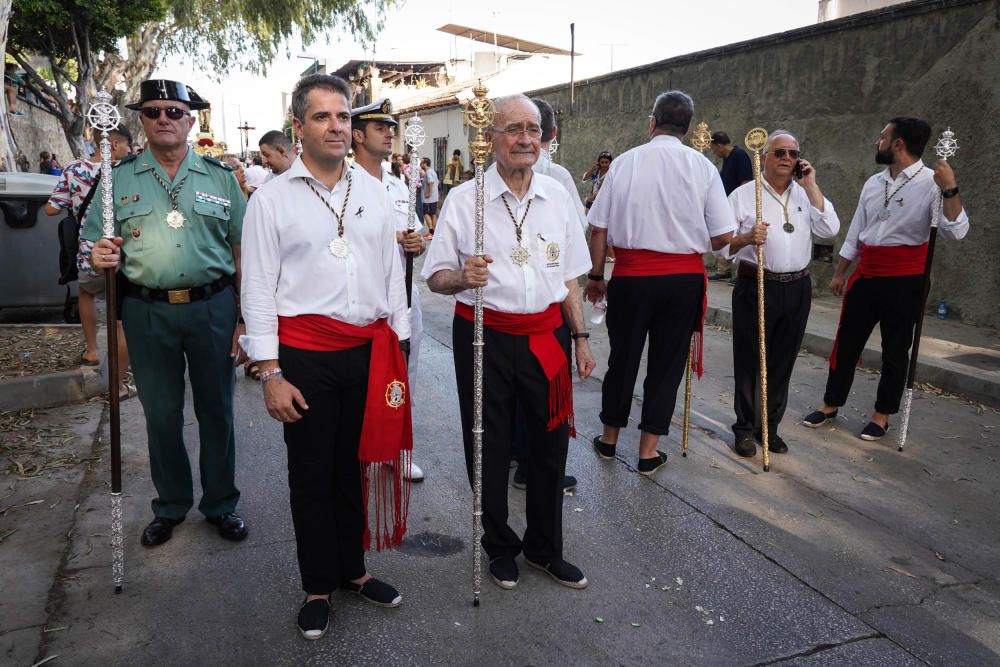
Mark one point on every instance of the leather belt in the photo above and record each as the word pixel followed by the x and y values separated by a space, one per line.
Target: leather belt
pixel 179 296
pixel 750 271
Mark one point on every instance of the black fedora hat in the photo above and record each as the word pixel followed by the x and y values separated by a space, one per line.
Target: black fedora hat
pixel 164 89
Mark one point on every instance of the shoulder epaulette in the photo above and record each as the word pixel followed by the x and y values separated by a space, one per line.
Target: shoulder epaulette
pixel 124 160
pixel 217 163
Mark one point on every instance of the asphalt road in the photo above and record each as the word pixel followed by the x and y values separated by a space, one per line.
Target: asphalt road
pixel 847 552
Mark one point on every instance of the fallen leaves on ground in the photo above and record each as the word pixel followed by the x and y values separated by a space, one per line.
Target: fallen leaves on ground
pixel 29 446
pixel 37 350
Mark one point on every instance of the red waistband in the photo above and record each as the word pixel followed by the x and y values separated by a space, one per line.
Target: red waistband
pixel 881 261
pixel 386 445
pixel 632 262
pixel 540 330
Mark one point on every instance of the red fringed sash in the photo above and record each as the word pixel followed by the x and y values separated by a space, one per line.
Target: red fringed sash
pixel 386 448
pixel 631 262
pixel 882 261
pixel 540 328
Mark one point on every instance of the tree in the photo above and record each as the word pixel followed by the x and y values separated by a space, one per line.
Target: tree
pixel 238 34
pixel 70 35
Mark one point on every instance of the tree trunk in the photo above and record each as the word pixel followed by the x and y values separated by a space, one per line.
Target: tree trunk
pixel 7 145
pixel 143 47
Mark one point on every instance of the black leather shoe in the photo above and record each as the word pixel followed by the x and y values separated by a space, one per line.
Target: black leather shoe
pixel 230 526
pixel 158 531
pixel 776 444
pixel 746 445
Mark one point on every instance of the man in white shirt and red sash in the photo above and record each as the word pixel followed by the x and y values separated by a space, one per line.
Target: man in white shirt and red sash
pixel 888 237
pixel 534 252
pixel 372 130
pixel 661 206
pixel 323 297
pixel 794 210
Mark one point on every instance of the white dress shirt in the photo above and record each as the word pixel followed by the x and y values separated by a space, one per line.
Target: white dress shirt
pixel 287 266
pixel 784 252
pixel 662 196
pixel 551 234
pixel 399 196
pixel 546 166
pixel 907 218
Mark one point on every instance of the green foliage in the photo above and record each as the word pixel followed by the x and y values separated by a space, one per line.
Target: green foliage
pixel 247 34
pixel 60 29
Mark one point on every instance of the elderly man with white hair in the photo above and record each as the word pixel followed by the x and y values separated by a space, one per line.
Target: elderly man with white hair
pixel 534 252
pixel 794 210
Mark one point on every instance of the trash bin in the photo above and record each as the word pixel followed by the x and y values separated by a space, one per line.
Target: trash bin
pixel 29 245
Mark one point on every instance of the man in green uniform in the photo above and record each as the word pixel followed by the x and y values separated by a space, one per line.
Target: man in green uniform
pixel 178 222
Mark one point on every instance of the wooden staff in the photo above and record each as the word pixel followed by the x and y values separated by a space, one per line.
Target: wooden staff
pixel 104 117
pixel 755 140
pixel 415 137
pixel 479 114
pixel 945 148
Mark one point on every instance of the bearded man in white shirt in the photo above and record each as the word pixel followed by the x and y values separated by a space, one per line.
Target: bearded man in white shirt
pixel 534 252
pixel 323 295
pixel 794 210
pixel 661 207
pixel 888 237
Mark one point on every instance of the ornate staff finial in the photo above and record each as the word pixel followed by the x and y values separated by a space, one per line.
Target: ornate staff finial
pixel 946 146
pixel 756 139
pixel 553 147
pixel 702 138
pixel 415 135
pixel 479 114
pixel 103 116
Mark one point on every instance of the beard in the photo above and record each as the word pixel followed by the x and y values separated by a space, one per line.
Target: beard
pixel 884 157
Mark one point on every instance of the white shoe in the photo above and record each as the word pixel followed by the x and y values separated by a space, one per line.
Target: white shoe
pixel 416 474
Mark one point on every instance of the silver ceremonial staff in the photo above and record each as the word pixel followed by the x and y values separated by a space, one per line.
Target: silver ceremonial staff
pixel 945 148
pixel 104 117
pixel 755 140
pixel 415 136
pixel 479 113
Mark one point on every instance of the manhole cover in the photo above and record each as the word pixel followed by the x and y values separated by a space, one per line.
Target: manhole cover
pixel 431 544
pixel 986 362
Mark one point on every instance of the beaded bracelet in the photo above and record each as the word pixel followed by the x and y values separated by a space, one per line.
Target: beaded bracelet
pixel 270 374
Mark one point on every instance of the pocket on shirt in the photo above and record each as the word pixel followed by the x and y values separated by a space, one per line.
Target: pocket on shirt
pixel 134 218
pixel 211 210
pixel 551 249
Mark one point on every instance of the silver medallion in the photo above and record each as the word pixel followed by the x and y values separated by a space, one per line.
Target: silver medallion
pixel 883 214
pixel 175 219
pixel 338 248
pixel 788 227
pixel 519 255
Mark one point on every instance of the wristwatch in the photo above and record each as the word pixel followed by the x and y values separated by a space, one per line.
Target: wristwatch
pixel 580 334
pixel 595 276
pixel 950 192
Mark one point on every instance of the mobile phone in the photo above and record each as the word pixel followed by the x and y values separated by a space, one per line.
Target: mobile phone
pixel 799 171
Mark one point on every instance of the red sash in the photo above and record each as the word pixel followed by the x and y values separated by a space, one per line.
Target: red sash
pixel 386 448
pixel 882 261
pixel 632 262
pixel 540 328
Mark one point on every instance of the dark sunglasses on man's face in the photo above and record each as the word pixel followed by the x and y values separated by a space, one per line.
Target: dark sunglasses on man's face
pixel 790 152
pixel 173 113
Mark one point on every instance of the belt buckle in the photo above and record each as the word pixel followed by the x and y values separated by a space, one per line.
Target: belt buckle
pixel 177 296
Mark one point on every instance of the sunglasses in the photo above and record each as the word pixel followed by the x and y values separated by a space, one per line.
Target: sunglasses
pixel 790 152
pixel 173 113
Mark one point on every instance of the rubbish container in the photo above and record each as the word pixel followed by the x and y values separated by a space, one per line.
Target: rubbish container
pixel 29 245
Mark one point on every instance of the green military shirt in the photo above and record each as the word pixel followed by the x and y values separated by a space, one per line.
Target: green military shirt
pixel 157 255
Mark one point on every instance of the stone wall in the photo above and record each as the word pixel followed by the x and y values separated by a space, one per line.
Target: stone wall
pixel 834 85
pixel 38 131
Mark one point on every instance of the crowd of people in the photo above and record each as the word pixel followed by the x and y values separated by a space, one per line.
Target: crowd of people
pixel 306 274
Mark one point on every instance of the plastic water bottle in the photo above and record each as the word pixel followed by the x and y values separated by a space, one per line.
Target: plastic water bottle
pixel 942 312
pixel 600 310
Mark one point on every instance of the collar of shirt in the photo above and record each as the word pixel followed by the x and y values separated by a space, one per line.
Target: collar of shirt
pixel 665 138
pixel 300 170
pixel 909 172
pixel 495 186
pixel 191 162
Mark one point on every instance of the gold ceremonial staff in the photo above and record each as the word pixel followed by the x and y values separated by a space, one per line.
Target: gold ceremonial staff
pixel 700 140
pixel 479 113
pixel 755 140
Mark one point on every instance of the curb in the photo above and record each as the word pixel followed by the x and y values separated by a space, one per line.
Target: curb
pixel 947 376
pixel 51 389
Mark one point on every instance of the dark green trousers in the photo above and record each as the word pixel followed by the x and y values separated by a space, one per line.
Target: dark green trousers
pixel 163 340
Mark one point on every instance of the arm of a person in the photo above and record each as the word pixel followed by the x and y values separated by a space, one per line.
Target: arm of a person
pixel 954 224
pixel 718 212
pixel 572 310
pixel 395 280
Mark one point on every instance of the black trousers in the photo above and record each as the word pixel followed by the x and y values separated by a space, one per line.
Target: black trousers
pixel 892 303
pixel 786 310
pixel 511 374
pixel 667 309
pixel 324 475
